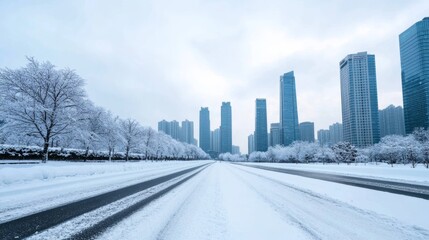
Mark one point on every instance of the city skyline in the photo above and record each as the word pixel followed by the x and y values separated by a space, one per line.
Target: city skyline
pixel 208 60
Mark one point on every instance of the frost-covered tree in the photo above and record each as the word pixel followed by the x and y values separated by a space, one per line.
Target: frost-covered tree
pixel 345 152
pixel 111 136
pixel 131 132
pixel 40 100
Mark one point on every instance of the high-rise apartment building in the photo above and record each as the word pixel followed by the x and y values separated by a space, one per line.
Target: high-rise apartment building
pixel 226 128
pixel 288 109
pixel 414 49
pixel 261 137
pixel 392 121
pixel 306 130
pixel 359 99
pixel 188 132
pixel 323 137
pixel 335 133
pixel 250 143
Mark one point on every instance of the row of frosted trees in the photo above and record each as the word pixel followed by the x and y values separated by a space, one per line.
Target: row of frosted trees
pixel 412 149
pixel 41 105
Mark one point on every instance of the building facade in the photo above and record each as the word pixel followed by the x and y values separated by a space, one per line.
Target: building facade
pixel 250 144
pixel 359 99
pixel 414 50
pixel 261 137
pixel 226 128
pixel 164 126
pixel 215 141
pixel 236 150
pixel 306 130
pixel 275 134
pixel 392 121
pixel 187 135
pixel 323 137
pixel 289 128
pixel 205 129
pixel 336 133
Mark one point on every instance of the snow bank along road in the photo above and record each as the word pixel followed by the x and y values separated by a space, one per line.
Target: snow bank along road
pixel 412 190
pixel 228 201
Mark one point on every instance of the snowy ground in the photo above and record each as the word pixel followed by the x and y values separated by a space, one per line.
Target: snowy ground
pixel 227 201
pixel 224 201
pixel 30 188
pixel 399 172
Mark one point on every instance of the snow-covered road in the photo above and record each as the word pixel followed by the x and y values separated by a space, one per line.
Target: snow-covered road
pixel 227 201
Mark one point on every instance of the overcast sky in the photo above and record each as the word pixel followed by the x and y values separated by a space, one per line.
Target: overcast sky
pixel 154 60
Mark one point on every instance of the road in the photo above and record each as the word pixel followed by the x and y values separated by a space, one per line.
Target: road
pixel 228 201
pixel 412 190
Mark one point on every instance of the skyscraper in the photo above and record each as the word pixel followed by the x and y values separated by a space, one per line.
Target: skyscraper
pixel 205 129
pixel 226 128
pixel 164 126
pixel 335 133
pixel 392 121
pixel 359 99
pixel 250 144
pixel 175 130
pixel 414 49
pixel 306 130
pixel 261 137
pixel 323 137
pixel 236 150
pixel 275 134
pixel 215 141
pixel 288 109
pixel 188 132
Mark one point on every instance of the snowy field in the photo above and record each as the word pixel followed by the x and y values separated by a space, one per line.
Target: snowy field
pixel 33 187
pixel 399 172
pixel 224 201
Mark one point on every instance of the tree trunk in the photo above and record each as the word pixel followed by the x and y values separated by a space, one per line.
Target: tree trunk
pixel 45 151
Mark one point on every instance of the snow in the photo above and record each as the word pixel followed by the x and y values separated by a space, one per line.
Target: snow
pixel 228 201
pixel 400 172
pixel 30 188
pixel 224 201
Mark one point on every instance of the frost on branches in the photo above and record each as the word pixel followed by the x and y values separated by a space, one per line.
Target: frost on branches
pixel 41 105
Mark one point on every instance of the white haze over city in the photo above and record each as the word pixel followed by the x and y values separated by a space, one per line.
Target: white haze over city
pixel 154 60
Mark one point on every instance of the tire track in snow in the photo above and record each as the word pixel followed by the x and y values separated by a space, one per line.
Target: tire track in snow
pixel 323 217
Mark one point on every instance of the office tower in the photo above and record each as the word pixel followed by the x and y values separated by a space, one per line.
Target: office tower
pixel 323 137
pixel 188 132
pixel 275 134
pixel 359 99
pixel 306 130
pixel 288 109
pixel 225 128
pixel 414 49
pixel 261 138
pixel 392 121
pixel 235 150
pixel 250 144
pixel 164 126
pixel 215 141
pixel 335 133
pixel 205 129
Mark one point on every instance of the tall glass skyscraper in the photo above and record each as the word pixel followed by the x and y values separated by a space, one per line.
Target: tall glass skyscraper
pixel 225 128
pixel 414 49
pixel 359 100
pixel 261 132
pixel 288 109
pixel 205 129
